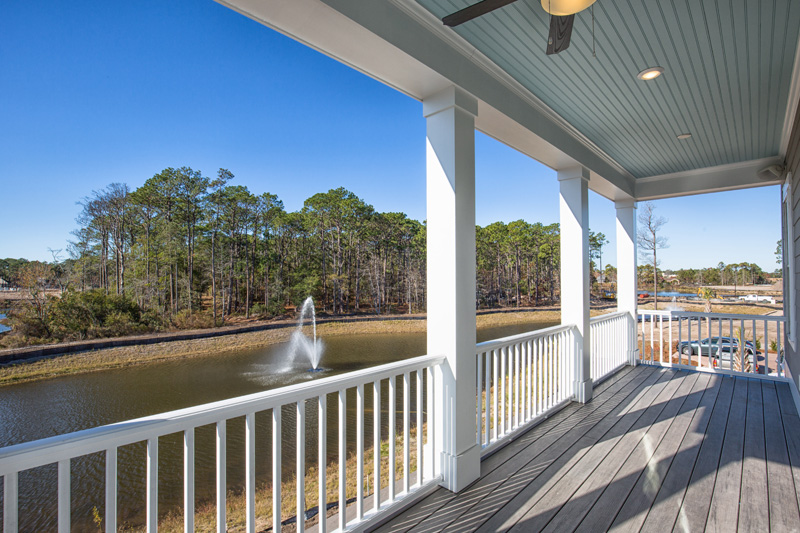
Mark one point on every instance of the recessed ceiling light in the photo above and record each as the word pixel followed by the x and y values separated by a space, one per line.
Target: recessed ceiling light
pixel 683 136
pixel 650 73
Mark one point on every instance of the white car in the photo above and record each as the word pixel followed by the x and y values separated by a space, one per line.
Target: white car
pixel 757 298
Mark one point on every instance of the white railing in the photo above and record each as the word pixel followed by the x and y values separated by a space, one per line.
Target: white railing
pixel 522 378
pixel 711 341
pixel 611 342
pixel 61 450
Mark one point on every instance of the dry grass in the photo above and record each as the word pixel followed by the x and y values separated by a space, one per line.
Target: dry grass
pixel 205 512
pixel 716 307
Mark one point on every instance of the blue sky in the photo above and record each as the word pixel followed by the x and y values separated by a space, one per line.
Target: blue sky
pixel 102 92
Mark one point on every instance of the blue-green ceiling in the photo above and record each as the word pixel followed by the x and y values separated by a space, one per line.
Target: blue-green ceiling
pixel 728 67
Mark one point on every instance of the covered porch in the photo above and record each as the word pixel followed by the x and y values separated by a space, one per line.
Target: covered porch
pixel 656 449
pixel 577 426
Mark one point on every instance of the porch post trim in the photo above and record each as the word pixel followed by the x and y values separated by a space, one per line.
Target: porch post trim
pixel 626 271
pixel 450 116
pixel 574 215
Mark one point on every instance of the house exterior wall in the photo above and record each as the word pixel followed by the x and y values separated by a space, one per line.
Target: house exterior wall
pixel 791 304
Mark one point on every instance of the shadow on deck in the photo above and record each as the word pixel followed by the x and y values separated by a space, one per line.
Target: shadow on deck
pixel 657 449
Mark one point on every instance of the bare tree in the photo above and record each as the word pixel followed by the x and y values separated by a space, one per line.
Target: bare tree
pixel 650 241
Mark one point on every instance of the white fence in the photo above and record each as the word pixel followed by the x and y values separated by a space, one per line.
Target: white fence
pixel 611 338
pixel 713 341
pixel 521 378
pixel 61 450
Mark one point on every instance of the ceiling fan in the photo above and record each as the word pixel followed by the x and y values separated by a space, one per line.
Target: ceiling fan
pixel 562 17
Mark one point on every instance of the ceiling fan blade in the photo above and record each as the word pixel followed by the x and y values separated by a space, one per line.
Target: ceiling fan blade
pixel 474 11
pixel 560 32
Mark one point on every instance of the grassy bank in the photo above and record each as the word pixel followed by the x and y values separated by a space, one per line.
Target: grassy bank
pixel 126 356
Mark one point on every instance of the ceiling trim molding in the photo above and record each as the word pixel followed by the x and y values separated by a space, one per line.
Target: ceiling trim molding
pixel 728 177
pixel 451 38
pixel 791 103
pixel 729 167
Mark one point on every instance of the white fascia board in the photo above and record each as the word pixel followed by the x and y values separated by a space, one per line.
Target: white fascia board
pixel 791 103
pixel 706 180
pixel 400 44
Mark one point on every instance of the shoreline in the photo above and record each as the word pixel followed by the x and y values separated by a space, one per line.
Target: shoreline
pixel 116 357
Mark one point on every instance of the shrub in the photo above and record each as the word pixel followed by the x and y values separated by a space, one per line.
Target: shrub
pixel 192 320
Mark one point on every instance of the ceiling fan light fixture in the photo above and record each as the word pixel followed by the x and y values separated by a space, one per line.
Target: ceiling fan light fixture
pixel 562 8
pixel 650 73
pixel 683 136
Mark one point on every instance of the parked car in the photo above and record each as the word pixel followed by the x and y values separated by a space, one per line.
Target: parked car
pixel 720 350
pixel 757 298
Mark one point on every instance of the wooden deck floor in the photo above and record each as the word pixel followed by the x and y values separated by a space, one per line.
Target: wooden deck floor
pixel 655 450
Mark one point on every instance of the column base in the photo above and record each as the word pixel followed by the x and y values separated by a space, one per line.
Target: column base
pixel 583 391
pixel 633 357
pixel 459 471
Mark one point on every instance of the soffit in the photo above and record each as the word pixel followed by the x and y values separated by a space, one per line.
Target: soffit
pixel 728 73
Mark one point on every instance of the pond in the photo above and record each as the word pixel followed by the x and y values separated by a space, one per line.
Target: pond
pixel 51 407
pixel 670 294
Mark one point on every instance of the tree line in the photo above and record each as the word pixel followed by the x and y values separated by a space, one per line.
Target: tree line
pixel 184 242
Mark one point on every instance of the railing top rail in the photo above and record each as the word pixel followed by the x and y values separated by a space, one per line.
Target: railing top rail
pixel 607 316
pixel 50 450
pixel 772 318
pixel 653 312
pixel 506 341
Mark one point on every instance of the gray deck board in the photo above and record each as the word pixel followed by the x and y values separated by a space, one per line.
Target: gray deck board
pixel 663 511
pixel 724 510
pixel 782 495
pixel 567 452
pixel 509 486
pixel 754 507
pixel 790 420
pixel 692 512
pixel 538 516
pixel 605 509
pixel 657 449
pixel 635 509
pixel 496 468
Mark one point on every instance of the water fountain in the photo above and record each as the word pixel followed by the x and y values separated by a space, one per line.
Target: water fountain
pixel 673 306
pixel 300 345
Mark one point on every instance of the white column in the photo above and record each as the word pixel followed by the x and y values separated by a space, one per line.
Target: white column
pixel 450 118
pixel 574 214
pixel 626 267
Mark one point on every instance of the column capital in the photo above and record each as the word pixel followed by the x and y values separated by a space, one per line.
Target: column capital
pixel 625 204
pixel 450 97
pixel 572 173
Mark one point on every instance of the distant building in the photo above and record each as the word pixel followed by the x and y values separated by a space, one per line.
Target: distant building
pixel 4 285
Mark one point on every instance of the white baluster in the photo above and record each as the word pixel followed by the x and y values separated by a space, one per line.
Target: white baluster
pixel 152 485
pixel 419 428
pixel 64 519
pixel 376 444
pixel 322 461
pixel 10 503
pixel 300 463
pixel 360 453
pixel 250 471
pixel 188 481
pixel 111 490
pixel 342 459
pixel 406 431
pixel 222 521
pixel 276 469
pixel 392 437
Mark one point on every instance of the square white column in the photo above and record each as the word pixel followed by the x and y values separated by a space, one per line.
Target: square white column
pixel 574 215
pixel 626 267
pixel 450 118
